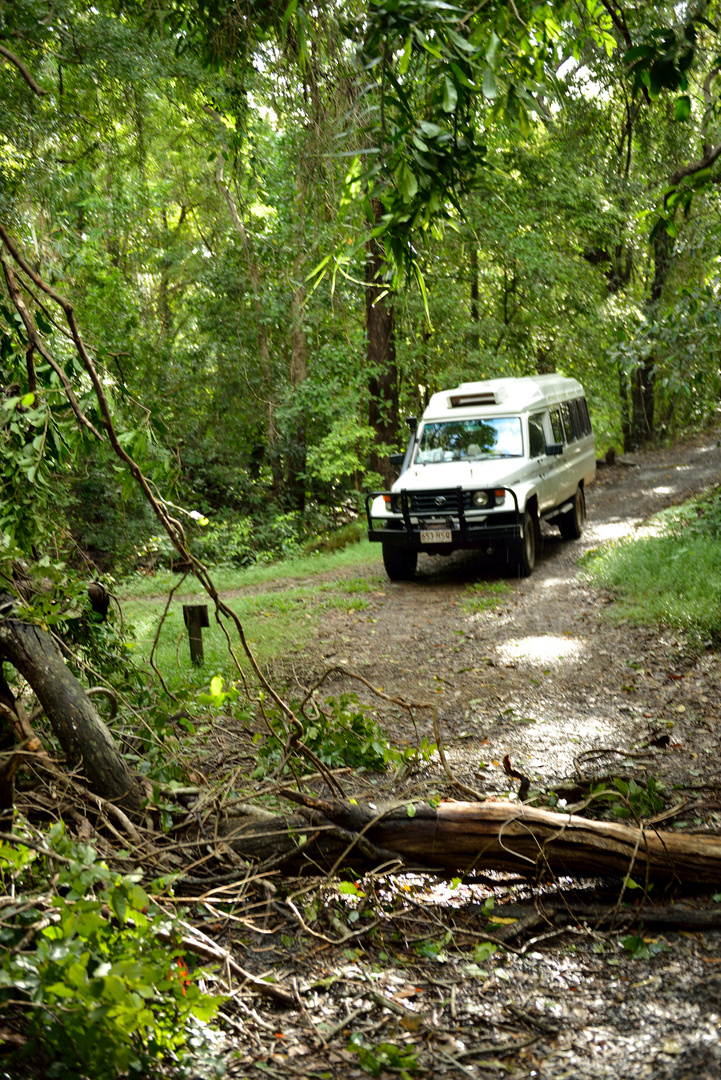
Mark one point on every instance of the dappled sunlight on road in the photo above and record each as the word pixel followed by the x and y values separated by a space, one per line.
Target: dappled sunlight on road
pixel 540 744
pixel 613 530
pixel 551 582
pixel 553 743
pixel 544 650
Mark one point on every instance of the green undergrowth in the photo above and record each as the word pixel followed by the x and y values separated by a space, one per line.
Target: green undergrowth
pixel 339 732
pixel 91 969
pixel 281 618
pixel 671 578
pixel 227 578
pixel 485 596
pixel 343 733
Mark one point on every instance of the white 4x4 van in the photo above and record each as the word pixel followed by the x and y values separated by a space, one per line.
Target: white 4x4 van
pixel 487 462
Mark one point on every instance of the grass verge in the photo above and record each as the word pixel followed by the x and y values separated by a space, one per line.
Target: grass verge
pixel 228 579
pixel 672 578
pixel 278 620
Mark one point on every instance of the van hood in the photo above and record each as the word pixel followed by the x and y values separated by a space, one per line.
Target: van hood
pixel 488 473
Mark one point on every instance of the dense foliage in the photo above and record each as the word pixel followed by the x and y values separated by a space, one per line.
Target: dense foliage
pixel 532 185
pixel 111 991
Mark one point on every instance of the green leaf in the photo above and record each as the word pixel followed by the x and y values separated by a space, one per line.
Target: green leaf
pixel 406 57
pixel 462 78
pixel 658 225
pixel 490 86
pixel 450 95
pixel 411 810
pixel 460 42
pixel 431 130
pixel 349 889
pixel 28 400
pixel 407 183
pixel 119 904
pixel 287 16
pixel 682 108
pixel 483 950
pixel 638 52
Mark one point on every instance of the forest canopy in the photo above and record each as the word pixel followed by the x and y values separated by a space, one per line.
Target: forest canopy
pixel 282 228
pixel 240 242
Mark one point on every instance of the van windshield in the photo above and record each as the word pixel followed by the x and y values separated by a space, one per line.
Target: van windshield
pixel 470 440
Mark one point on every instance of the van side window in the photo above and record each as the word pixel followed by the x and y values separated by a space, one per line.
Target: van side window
pixel 536 436
pixel 556 425
pixel 576 418
pixel 568 423
pixel 585 418
pixel 580 417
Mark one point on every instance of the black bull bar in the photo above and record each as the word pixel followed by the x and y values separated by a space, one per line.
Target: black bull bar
pixel 465 533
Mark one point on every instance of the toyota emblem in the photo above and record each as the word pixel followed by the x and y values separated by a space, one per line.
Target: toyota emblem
pixel 440 500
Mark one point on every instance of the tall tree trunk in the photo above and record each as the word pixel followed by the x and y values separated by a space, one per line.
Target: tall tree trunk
pixel 298 342
pixel 266 367
pixel 298 375
pixel 84 737
pixel 380 358
pixel 643 386
pixel 625 416
pixel 474 337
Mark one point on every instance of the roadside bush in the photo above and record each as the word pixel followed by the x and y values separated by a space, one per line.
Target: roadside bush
pixel 672 578
pixel 244 540
pixel 90 967
pixel 343 734
pixel 230 542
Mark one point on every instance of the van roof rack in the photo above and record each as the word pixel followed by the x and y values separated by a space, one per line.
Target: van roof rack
pixel 458 400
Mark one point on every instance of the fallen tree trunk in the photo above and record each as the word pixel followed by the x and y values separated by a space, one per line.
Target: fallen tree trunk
pixel 84 737
pixel 457 837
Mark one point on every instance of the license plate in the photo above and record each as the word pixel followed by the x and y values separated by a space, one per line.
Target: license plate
pixel 436 536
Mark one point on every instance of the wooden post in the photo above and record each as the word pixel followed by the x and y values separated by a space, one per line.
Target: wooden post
pixel 196 617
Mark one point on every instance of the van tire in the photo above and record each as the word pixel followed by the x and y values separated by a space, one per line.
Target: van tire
pixel 400 563
pixel 571 523
pixel 523 552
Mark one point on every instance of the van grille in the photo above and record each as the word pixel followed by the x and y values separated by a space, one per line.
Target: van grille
pixel 434 502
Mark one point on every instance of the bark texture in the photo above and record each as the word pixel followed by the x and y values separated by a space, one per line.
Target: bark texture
pixel 460 837
pixel 84 737
pixel 298 374
pixel 380 358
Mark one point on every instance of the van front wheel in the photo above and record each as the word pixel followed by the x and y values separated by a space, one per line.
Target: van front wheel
pixel 524 550
pixel 400 563
pixel 571 523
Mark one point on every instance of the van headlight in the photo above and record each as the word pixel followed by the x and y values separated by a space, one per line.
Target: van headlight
pixel 397 505
pixel 480 498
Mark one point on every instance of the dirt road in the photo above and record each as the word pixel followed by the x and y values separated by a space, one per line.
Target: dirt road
pixel 547 674
pixel 544 678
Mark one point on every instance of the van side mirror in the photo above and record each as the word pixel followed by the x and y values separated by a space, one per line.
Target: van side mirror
pixel 396 459
pixel 554 449
pixel 412 422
